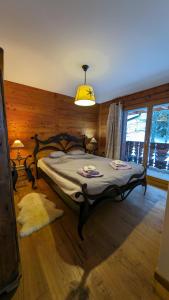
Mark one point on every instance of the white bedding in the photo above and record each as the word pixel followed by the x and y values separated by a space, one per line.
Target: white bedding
pixel 63 171
pixel 68 187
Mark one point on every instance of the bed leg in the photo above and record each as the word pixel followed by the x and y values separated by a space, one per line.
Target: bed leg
pixel 145 188
pixel 83 216
pixel 145 185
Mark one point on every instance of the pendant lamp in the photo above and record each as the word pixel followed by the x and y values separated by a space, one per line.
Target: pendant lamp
pixel 85 93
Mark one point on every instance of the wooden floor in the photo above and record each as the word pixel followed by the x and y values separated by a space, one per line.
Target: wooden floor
pixel 116 261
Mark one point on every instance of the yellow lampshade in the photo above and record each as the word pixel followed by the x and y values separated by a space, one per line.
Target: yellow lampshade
pixel 17 144
pixel 85 95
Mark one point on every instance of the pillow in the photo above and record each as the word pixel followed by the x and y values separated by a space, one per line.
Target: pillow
pixel 56 154
pixel 76 152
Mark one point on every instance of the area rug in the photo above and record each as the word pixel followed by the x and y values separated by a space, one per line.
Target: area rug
pixel 36 211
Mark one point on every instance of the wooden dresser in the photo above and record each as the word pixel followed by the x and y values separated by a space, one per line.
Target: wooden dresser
pixel 9 253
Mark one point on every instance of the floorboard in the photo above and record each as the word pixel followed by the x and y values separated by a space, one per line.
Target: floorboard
pixel 116 261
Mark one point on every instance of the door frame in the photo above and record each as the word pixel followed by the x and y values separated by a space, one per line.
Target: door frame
pixel 147 134
pixel 161 183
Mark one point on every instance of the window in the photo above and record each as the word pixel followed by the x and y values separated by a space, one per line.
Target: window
pixel 146 139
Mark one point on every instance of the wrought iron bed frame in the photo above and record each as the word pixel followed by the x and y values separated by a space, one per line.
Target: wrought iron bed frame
pixel 90 201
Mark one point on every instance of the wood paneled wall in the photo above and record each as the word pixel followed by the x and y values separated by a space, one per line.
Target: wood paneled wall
pixel 154 95
pixel 31 110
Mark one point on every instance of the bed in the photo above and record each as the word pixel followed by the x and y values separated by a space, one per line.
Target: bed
pixel 80 193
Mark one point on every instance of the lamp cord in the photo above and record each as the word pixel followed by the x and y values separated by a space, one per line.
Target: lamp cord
pixel 85 78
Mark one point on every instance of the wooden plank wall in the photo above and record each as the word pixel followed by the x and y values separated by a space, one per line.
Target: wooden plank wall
pixel 154 95
pixel 31 110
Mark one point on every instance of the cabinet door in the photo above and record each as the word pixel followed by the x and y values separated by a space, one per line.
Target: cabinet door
pixel 9 255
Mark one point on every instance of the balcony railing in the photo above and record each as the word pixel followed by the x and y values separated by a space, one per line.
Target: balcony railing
pixel 158 154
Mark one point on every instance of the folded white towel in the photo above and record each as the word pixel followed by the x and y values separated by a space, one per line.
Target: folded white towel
pixel 91 174
pixel 119 163
pixel 89 168
pixel 122 167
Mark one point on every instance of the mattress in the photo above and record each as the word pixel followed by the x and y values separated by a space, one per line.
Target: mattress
pixel 63 171
pixel 68 187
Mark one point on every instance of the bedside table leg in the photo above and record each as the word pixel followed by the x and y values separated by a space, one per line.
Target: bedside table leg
pixel 14 175
pixel 33 182
pixel 14 179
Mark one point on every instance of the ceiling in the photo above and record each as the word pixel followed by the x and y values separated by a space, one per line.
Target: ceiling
pixel 125 42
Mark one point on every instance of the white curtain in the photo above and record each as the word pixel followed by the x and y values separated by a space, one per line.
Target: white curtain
pixel 114 131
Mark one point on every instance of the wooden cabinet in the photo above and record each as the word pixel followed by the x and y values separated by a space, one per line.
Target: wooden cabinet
pixel 9 253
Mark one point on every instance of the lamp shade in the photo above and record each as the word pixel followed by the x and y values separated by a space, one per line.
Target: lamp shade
pixel 93 141
pixel 85 95
pixel 17 144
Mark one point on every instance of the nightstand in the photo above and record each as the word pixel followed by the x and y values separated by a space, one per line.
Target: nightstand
pixel 23 171
pixel 102 154
pixel 94 152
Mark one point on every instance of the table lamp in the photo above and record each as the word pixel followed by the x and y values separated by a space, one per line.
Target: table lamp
pixel 93 145
pixel 93 141
pixel 17 144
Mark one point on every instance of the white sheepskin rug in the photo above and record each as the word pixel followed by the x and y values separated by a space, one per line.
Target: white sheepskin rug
pixel 36 211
